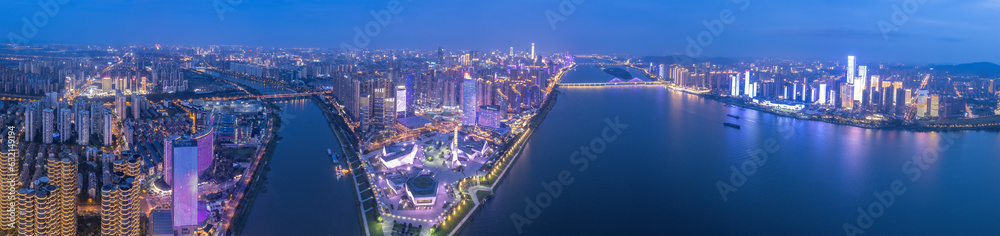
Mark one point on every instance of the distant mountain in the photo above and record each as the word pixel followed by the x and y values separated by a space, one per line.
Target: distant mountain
pixel 981 69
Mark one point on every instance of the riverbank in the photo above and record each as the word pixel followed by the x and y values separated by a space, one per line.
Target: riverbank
pixel 336 123
pixel 248 196
pixel 991 124
pixel 513 153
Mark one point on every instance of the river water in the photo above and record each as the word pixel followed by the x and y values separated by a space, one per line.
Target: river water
pixel 302 195
pixel 662 174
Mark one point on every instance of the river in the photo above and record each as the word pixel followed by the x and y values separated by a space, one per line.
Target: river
pixel 301 194
pixel 662 174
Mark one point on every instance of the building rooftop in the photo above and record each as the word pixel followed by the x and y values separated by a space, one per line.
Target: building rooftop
pixel 422 186
pixel 393 152
pixel 414 121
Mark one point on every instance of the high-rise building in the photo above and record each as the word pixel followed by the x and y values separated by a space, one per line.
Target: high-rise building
pixel 663 72
pixel 109 127
pixel 401 101
pixel 37 209
pixel 851 65
pixel 489 116
pixel 120 206
pixel 734 83
pixel 469 101
pixel 184 183
pixel 65 124
pixel 860 84
pixel 48 121
pixel 935 106
pixel 922 103
pixel 31 122
pixel 62 173
pixel 822 94
pixel 532 51
pixel 8 187
pixel 83 128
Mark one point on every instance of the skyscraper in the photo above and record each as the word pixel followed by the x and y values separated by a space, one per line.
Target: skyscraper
pixel 532 51
pixel 185 183
pixel 48 121
pixel 401 101
pixel 850 69
pixel 109 126
pixel 83 127
pixel 65 124
pixel 120 206
pixel 8 186
pixel 469 101
pixel 860 84
pixel 62 173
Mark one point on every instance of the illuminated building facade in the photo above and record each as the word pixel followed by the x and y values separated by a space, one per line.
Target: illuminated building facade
pixel 185 182
pixel 469 101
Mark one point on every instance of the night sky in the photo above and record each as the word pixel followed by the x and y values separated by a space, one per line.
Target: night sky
pixel 939 31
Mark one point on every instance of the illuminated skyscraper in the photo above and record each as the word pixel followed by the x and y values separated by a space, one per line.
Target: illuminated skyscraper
pixel 8 187
pixel 62 173
pixel 532 51
pixel 860 84
pixel 401 101
pixel 469 101
pixel 850 69
pixel 185 182
pixel 37 209
pixel 120 206
pixel 822 94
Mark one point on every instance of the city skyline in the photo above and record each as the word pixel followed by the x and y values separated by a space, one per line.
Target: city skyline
pixel 930 34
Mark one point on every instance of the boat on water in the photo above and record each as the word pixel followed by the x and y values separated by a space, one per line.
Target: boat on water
pixel 332 156
pixel 731 125
pixel 340 172
pixel 734 116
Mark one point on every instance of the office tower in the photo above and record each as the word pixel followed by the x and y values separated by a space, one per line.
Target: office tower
pixel 489 116
pixel 120 206
pixel 850 69
pixel 822 94
pixel 83 128
pixel 401 101
pixel 860 85
pixel 846 96
pixel 746 83
pixel 734 84
pixel 469 101
pixel 922 103
pixel 411 91
pixel 65 124
pixel 663 72
pixel 62 173
pixel 388 112
pixel 993 88
pixel 502 101
pixel 109 126
pixel 532 51
pixel 365 117
pixel 184 183
pixel 935 106
pixel 48 120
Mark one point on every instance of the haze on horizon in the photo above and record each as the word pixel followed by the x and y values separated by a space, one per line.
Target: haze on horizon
pixel 941 32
